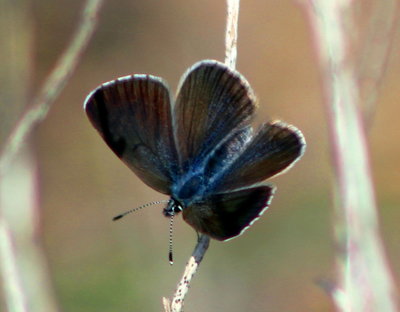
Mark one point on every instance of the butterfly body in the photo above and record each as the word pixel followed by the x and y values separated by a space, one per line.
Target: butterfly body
pixel 200 148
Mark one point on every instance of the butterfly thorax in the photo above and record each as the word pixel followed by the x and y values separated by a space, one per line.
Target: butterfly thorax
pixel 190 188
pixel 203 172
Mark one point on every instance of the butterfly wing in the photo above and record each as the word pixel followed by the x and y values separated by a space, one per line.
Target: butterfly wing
pixel 133 115
pixel 227 215
pixel 273 149
pixel 213 101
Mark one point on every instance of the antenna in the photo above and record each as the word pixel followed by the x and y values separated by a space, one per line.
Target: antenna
pixel 171 223
pixel 120 216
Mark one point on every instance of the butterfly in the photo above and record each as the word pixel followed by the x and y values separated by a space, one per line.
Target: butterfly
pixel 199 148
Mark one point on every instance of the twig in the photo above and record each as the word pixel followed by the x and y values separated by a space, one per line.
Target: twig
pixel 53 85
pixel 191 267
pixel 365 281
pixel 231 33
pixel 176 304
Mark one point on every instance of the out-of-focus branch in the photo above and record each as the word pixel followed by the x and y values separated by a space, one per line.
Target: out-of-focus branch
pixel 176 304
pixel 365 282
pixel 375 46
pixel 22 264
pixel 53 85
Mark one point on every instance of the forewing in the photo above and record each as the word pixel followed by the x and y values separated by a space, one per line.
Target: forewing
pixel 225 216
pixel 212 102
pixel 273 149
pixel 133 115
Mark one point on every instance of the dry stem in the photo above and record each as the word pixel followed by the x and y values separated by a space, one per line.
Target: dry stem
pixel 176 304
pixel 53 85
pixel 365 280
pixel 21 259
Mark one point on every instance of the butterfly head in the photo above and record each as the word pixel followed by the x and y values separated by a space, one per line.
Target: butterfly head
pixel 173 207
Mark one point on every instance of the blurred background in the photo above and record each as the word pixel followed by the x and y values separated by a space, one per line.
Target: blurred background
pixel 97 265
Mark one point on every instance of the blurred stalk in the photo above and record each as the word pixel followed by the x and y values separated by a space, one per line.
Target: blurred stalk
pixel 15 67
pixel 54 83
pixel 15 51
pixel 365 280
pixel 375 46
pixel 24 268
pixel 22 264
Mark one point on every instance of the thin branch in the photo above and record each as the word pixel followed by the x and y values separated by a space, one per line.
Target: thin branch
pixel 190 270
pixel 365 280
pixel 176 304
pixel 53 85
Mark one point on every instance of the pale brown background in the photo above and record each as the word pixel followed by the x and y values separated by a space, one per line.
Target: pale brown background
pixel 100 266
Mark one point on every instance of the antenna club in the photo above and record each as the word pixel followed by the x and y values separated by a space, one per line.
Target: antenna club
pixel 118 217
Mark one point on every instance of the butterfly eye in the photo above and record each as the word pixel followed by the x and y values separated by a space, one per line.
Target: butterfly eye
pixel 178 208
